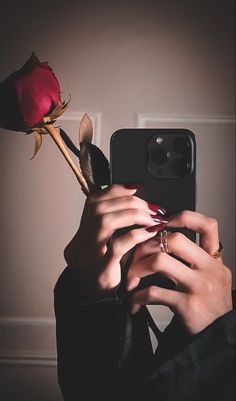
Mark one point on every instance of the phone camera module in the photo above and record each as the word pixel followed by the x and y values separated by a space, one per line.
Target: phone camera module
pixel 169 154
pixel 160 156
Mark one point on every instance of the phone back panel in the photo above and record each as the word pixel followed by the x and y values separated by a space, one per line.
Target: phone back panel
pixel 129 165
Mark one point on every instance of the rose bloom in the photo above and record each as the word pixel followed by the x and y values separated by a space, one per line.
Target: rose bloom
pixel 28 95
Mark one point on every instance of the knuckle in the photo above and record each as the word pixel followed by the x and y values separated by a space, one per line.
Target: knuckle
pixel 115 187
pixel 130 199
pixel 185 215
pixel 135 213
pixel 226 275
pixel 133 234
pixel 212 223
pixel 198 284
pixel 116 248
pixel 151 293
pixel 102 281
pixel 177 238
pixel 209 287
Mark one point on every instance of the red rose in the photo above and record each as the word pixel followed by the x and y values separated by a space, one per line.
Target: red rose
pixel 28 95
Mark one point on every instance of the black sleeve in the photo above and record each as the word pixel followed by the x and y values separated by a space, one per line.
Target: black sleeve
pixel 201 368
pixel 91 339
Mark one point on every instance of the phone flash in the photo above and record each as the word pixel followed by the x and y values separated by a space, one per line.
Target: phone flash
pixel 159 140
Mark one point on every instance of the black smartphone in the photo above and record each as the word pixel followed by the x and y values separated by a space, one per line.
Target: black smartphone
pixel 164 162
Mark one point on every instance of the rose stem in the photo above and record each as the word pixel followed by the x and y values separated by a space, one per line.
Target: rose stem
pixel 59 142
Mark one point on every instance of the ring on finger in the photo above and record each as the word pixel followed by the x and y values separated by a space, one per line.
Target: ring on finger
pixel 163 235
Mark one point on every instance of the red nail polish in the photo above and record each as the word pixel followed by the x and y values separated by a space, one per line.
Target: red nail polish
pixel 156 208
pixel 159 219
pixel 156 228
pixel 133 186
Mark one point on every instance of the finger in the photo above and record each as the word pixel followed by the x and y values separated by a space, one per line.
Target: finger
pixel 124 202
pixel 158 296
pixel 187 250
pixel 206 226
pixel 113 191
pixel 159 263
pixel 109 222
pixel 119 246
pixel 147 248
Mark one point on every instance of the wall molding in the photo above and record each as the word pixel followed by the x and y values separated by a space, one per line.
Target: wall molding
pixel 30 360
pixel 28 341
pixel 31 341
pixel 142 119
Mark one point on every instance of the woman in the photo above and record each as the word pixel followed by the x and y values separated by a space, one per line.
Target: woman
pixel 194 359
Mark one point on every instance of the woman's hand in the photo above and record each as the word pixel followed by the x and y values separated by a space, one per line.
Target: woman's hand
pixel 93 254
pixel 203 291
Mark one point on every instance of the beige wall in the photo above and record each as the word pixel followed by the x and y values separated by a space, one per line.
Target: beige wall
pixel 132 63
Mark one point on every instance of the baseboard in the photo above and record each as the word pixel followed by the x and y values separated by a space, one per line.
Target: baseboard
pixel 30 341
pixel 27 341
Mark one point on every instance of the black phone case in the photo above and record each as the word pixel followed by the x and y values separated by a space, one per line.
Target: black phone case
pixel 128 160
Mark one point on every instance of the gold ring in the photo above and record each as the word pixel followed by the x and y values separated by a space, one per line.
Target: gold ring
pixel 163 241
pixel 219 251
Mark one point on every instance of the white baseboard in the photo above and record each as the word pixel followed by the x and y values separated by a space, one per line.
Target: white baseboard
pixel 27 341
pixel 30 341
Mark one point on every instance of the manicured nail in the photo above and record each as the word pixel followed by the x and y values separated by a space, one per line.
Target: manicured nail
pixel 159 219
pixel 156 208
pixel 133 186
pixel 155 228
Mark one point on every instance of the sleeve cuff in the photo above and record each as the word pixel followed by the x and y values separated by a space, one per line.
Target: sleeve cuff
pixel 203 370
pixel 67 297
pixel 221 330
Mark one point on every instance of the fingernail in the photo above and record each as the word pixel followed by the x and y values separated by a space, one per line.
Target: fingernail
pixel 156 228
pixel 156 208
pixel 133 186
pixel 159 219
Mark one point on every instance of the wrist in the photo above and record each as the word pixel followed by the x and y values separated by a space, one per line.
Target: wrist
pixel 89 289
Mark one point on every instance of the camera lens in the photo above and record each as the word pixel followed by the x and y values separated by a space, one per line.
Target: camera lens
pixel 181 144
pixel 181 168
pixel 160 156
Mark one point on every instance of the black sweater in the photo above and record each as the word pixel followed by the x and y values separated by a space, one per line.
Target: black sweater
pixel 104 353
